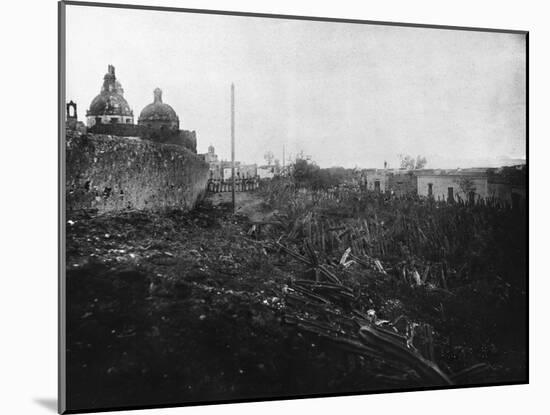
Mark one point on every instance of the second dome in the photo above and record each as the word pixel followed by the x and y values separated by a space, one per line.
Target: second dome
pixel 158 115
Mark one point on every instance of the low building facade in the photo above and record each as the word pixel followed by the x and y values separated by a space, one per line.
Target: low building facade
pixel 452 185
pixel 402 182
pixel 376 180
pixel 505 184
pixel 508 184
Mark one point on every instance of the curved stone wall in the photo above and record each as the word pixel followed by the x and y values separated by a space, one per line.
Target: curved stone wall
pixel 109 173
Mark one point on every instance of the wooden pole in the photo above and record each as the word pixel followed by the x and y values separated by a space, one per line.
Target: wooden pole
pixel 233 146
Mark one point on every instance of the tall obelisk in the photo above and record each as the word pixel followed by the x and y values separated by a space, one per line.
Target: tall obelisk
pixel 233 145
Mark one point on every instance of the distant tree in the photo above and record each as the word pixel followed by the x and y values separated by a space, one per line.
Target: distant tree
pixel 467 187
pixel 406 161
pixel 303 172
pixel 420 162
pixel 306 173
pixel 410 163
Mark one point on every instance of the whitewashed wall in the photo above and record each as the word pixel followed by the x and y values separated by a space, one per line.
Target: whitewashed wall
pixel 441 183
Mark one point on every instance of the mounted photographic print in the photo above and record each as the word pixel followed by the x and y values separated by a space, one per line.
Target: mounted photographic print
pixel 258 207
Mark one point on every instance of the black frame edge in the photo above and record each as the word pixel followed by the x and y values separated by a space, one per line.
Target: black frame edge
pixel 288 17
pixel 527 138
pixel 62 340
pixel 293 397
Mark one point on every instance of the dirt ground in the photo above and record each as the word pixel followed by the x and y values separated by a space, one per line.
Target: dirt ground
pixel 249 204
pixel 173 307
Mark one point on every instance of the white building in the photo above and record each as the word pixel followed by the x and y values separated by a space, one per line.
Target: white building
pixel 466 184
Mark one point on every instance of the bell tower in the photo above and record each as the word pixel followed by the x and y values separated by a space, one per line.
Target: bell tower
pixel 71 116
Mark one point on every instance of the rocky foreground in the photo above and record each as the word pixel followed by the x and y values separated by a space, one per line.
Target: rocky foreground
pixel 174 307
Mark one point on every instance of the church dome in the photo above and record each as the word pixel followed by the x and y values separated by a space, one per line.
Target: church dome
pixel 158 111
pixel 109 104
pixel 110 100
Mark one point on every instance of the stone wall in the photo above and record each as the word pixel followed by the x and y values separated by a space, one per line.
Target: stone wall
pixel 402 183
pixel 110 173
pixel 118 129
pixel 185 138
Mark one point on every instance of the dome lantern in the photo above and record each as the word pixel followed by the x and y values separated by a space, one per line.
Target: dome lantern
pixel 158 95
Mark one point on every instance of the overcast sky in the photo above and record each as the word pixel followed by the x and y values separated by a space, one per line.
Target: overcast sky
pixel 346 94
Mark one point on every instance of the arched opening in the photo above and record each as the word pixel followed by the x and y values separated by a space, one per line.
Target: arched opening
pixel 71 110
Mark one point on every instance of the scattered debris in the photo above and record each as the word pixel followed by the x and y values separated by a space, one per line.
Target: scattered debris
pixel 372 293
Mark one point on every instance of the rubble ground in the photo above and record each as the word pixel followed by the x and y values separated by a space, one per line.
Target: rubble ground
pixel 173 307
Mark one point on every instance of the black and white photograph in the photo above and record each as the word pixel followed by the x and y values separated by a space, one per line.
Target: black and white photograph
pixel 262 207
